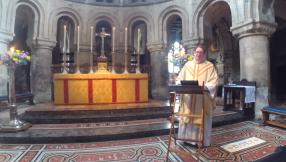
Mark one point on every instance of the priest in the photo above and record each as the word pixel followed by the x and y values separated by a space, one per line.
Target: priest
pixel 203 71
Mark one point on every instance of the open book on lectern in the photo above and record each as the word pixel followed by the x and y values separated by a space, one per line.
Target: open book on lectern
pixel 189 82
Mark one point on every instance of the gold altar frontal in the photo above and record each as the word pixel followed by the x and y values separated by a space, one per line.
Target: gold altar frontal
pixel 100 88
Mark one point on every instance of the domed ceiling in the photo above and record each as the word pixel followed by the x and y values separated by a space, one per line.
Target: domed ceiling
pixel 122 3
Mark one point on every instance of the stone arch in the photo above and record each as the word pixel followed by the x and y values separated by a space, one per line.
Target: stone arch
pixel 143 16
pixel 201 28
pixel 35 11
pixel 165 16
pixel 63 11
pixel 96 18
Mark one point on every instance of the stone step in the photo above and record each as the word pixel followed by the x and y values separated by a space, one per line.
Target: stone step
pixel 94 116
pixel 88 132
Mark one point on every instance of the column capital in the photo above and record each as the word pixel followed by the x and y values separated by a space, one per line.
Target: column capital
pixel 157 46
pixel 40 43
pixel 251 27
pixel 5 36
pixel 196 41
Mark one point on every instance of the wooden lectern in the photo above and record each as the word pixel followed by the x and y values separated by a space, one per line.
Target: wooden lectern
pixel 186 89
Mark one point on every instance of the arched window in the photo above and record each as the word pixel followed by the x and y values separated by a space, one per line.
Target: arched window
pixel 174 62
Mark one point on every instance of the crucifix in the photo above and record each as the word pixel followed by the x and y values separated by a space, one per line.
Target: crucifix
pixel 103 34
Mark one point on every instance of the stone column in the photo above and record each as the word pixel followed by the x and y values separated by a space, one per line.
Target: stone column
pixel 41 76
pixel 159 70
pixel 5 38
pixel 254 58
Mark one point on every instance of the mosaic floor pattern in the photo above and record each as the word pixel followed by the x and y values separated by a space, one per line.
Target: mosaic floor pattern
pixel 153 149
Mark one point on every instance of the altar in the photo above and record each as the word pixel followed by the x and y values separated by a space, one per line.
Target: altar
pixel 100 88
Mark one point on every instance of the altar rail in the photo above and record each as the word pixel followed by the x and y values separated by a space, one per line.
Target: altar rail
pixel 85 68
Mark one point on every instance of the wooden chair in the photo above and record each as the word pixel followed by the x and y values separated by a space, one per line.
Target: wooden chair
pixel 186 89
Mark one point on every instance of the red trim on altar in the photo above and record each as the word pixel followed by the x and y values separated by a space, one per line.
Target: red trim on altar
pixel 100 78
pixel 66 91
pixel 101 103
pixel 114 91
pixel 137 90
pixel 90 91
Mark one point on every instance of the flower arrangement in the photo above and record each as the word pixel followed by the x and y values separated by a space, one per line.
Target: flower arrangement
pixel 14 57
pixel 180 58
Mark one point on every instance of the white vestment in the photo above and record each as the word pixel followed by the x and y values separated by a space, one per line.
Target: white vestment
pixel 192 104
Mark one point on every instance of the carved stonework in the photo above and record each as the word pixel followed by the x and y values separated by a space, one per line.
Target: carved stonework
pixel 192 43
pixel 253 27
pixel 6 37
pixel 41 43
pixel 157 46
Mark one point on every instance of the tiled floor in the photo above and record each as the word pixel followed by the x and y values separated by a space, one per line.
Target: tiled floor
pixel 153 149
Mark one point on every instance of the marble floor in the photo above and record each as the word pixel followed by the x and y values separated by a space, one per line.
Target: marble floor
pixel 153 149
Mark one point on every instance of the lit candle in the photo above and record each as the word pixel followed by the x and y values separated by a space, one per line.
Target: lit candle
pixel 12 49
pixel 138 41
pixel 65 35
pixel 91 36
pixel 77 38
pixel 113 38
pixel 125 39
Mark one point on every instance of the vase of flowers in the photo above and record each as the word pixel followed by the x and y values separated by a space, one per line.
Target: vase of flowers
pixel 180 59
pixel 11 59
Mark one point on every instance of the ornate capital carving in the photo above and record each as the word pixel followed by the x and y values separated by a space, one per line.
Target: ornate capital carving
pixel 253 27
pixel 157 46
pixel 39 43
pixel 6 37
pixel 194 42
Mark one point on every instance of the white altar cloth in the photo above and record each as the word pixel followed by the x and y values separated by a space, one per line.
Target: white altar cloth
pixel 249 93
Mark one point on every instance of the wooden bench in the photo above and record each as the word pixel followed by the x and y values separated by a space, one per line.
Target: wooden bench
pixel 273 110
pixel 30 96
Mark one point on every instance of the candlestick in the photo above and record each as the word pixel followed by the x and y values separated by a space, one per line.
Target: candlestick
pixel 125 39
pixel 125 65
pixel 113 38
pixel 138 48
pixel 77 38
pixel 113 63
pixel 65 33
pixel 77 63
pixel 91 36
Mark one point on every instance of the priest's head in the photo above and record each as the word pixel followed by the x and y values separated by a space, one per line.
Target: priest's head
pixel 199 54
